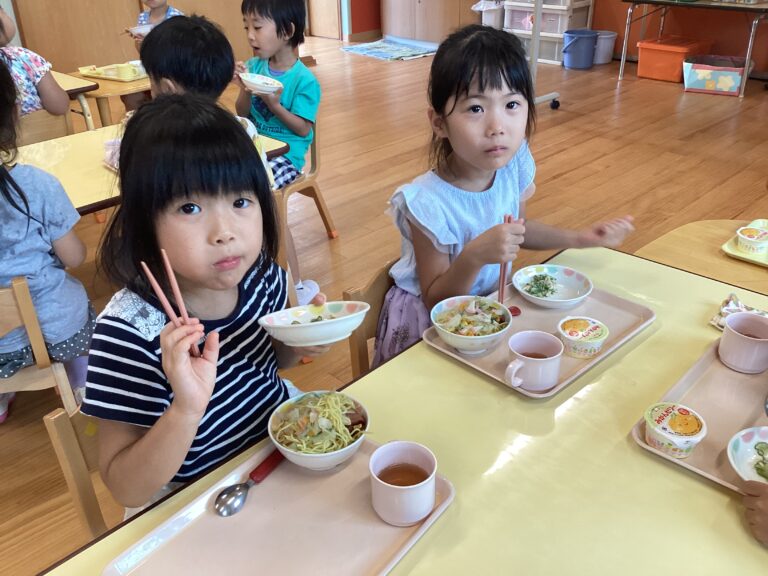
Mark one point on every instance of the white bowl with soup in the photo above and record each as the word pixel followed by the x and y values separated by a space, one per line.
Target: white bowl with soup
pixel 318 430
pixel 471 324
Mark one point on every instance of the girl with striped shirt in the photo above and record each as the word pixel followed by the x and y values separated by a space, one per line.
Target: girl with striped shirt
pixel 191 183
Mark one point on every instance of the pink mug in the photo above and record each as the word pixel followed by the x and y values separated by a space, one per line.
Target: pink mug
pixel 535 364
pixel 744 344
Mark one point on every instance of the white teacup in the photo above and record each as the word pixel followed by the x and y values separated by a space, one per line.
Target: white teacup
pixel 744 344
pixel 404 503
pixel 535 362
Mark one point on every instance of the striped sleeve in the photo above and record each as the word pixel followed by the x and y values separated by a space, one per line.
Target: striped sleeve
pixel 125 379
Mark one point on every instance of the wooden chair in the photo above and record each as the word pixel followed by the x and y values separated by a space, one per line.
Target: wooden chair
pixel 307 185
pixel 74 440
pixel 16 309
pixel 373 293
pixel 40 126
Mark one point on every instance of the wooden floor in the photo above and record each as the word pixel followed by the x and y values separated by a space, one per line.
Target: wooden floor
pixel 640 147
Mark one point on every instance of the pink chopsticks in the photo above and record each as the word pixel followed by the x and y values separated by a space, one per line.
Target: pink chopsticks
pixel 508 219
pixel 194 350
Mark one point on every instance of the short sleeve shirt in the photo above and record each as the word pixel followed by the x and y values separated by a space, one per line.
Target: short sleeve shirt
pixel 451 217
pixel 300 96
pixel 144 16
pixel 126 382
pixel 27 69
pixel 26 249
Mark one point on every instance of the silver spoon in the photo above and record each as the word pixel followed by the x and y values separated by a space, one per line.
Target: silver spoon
pixel 232 499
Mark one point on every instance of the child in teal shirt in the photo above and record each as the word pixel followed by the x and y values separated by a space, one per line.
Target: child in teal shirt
pixel 275 29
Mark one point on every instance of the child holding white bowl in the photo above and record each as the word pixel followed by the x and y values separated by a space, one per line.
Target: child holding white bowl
pixel 275 29
pixel 481 109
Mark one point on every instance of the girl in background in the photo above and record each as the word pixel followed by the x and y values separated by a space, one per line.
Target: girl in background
pixel 37 242
pixel 36 87
pixel 482 113
pixel 191 183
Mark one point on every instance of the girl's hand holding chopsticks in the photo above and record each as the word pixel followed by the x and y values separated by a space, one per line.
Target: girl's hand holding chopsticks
pixel 498 244
pixel 191 378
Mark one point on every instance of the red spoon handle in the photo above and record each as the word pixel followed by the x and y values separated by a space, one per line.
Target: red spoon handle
pixel 267 465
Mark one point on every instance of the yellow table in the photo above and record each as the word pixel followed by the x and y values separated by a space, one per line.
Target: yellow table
pixel 77 161
pixel 551 487
pixel 109 88
pixel 76 88
pixel 695 247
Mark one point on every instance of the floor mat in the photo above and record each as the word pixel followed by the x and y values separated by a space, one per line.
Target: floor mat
pixel 388 50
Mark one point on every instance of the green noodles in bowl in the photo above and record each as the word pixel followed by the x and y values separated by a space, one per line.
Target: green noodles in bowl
pixel 318 430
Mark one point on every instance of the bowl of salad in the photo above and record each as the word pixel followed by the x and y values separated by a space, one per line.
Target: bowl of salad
pixel 313 325
pixel 748 453
pixel 259 83
pixel 552 286
pixel 471 324
pixel 318 430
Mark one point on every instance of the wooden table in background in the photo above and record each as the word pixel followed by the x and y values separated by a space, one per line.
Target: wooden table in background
pixel 695 247
pixel 108 89
pixel 77 87
pixel 77 161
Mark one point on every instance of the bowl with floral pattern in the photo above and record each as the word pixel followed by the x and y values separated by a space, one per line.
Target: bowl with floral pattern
pixel 748 453
pixel 552 286
pixel 313 325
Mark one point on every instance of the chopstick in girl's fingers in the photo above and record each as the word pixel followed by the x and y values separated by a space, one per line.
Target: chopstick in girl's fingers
pixel 174 286
pixel 503 267
pixel 165 303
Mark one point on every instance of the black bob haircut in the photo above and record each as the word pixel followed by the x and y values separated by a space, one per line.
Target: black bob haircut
pixel 175 146
pixel 191 51
pixel 289 16
pixel 492 58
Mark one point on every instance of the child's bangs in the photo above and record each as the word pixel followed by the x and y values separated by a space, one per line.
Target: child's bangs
pixel 492 70
pixel 166 167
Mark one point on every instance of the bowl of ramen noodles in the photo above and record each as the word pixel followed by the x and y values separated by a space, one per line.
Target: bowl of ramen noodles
pixel 748 453
pixel 471 324
pixel 318 430
pixel 315 325
pixel 552 286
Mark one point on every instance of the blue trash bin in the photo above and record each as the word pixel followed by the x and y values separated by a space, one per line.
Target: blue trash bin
pixel 579 48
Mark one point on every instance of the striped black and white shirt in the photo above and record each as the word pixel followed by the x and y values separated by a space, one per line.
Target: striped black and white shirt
pixel 126 382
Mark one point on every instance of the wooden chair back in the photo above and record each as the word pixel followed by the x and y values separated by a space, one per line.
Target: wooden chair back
pixel 373 293
pixel 74 441
pixel 307 185
pixel 17 310
pixel 40 126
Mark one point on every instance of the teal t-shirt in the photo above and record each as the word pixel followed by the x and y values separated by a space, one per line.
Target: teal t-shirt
pixel 301 96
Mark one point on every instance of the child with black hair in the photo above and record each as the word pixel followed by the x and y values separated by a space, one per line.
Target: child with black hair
pixel 191 183
pixel 192 54
pixel 36 87
pixel 275 29
pixel 37 242
pixel 451 219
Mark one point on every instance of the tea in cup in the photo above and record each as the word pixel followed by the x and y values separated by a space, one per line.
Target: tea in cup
pixel 535 364
pixel 403 482
pixel 744 344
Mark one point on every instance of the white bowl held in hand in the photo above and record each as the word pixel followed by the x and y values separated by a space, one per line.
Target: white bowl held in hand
pixel 469 345
pixel 569 286
pixel 142 30
pixel 315 461
pixel 313 325
pixel 260 84
pixel 744 453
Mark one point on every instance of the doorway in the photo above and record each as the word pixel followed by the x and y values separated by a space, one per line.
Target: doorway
pixel 324 18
